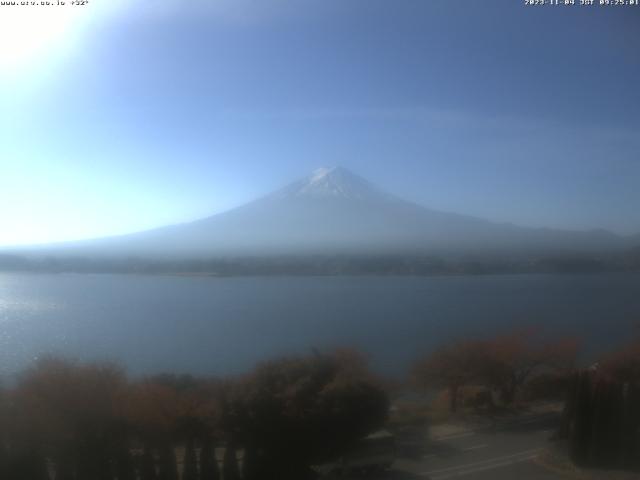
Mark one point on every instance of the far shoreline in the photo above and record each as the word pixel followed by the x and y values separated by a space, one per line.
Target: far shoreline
pixel 320 274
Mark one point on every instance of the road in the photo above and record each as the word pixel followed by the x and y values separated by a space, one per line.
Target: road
pixel 503 452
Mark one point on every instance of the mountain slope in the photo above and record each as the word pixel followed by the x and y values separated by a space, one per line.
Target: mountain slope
pixel 335 211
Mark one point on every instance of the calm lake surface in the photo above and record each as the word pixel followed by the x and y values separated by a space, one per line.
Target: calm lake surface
pixel 224 325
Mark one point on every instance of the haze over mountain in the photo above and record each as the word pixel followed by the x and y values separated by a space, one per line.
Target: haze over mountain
pixel 334 211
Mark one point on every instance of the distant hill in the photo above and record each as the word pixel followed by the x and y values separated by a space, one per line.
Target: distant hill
pixel 336 212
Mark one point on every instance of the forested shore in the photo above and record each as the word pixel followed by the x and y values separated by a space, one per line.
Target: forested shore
pixel 362 264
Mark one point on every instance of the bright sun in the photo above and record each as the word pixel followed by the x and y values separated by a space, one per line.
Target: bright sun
pixel 27 33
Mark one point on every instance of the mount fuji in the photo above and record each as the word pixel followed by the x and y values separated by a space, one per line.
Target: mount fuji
pixel 334 211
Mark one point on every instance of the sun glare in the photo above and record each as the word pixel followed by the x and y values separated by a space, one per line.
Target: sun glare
pixel 27 31
pixel 31 34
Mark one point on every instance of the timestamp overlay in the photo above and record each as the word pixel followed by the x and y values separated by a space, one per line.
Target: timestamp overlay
pixel 583 3
pixel 44 3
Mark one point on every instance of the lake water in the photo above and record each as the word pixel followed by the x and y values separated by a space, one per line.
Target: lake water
pixel 224 325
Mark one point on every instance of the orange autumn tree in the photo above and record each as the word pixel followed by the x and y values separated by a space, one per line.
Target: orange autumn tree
pixel 73 412
pixel 503 363
pixel 514 358
pixel 452 367
pixel 166 410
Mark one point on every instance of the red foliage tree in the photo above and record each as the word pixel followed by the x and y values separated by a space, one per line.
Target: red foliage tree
pixel 623 365
pixel 505 363
pixel 74 411
pixel 514 358
pixel 452 367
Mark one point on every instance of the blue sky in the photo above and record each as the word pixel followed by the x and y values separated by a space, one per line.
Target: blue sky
pixel 130 115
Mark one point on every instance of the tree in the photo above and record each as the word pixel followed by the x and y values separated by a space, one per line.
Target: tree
pixel 208 463
pixel 452 367
pixel 4 430
pixel 505 363
pixel 147 465
pixel 623 365
pixel 168 410
pixel 286 415
pixel 512 359
pixel 602 421
pixel 28 464
pixel 250 463
pixel 167 466
pixel 153 411
pixel 298 411
pixel 124 468
pixel 190 462
pixel 74 411
pixel 230 463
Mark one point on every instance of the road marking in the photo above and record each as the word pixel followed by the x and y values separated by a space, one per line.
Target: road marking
pixel 492 466
pixel 527 421
pixel 475 447
pixel 486 463
pixel 455 435
pixel 507 424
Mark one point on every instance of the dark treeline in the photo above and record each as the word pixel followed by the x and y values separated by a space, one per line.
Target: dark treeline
pixel 329 264
pixel 601 425
pixel 602 421
pixel 73 421
pixel 503 366
pixel 66 420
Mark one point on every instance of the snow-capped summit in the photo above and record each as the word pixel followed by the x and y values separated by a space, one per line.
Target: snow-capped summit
pixel 334 182
pixel 321 173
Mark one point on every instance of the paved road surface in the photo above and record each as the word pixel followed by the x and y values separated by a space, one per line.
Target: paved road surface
pixel 505 452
